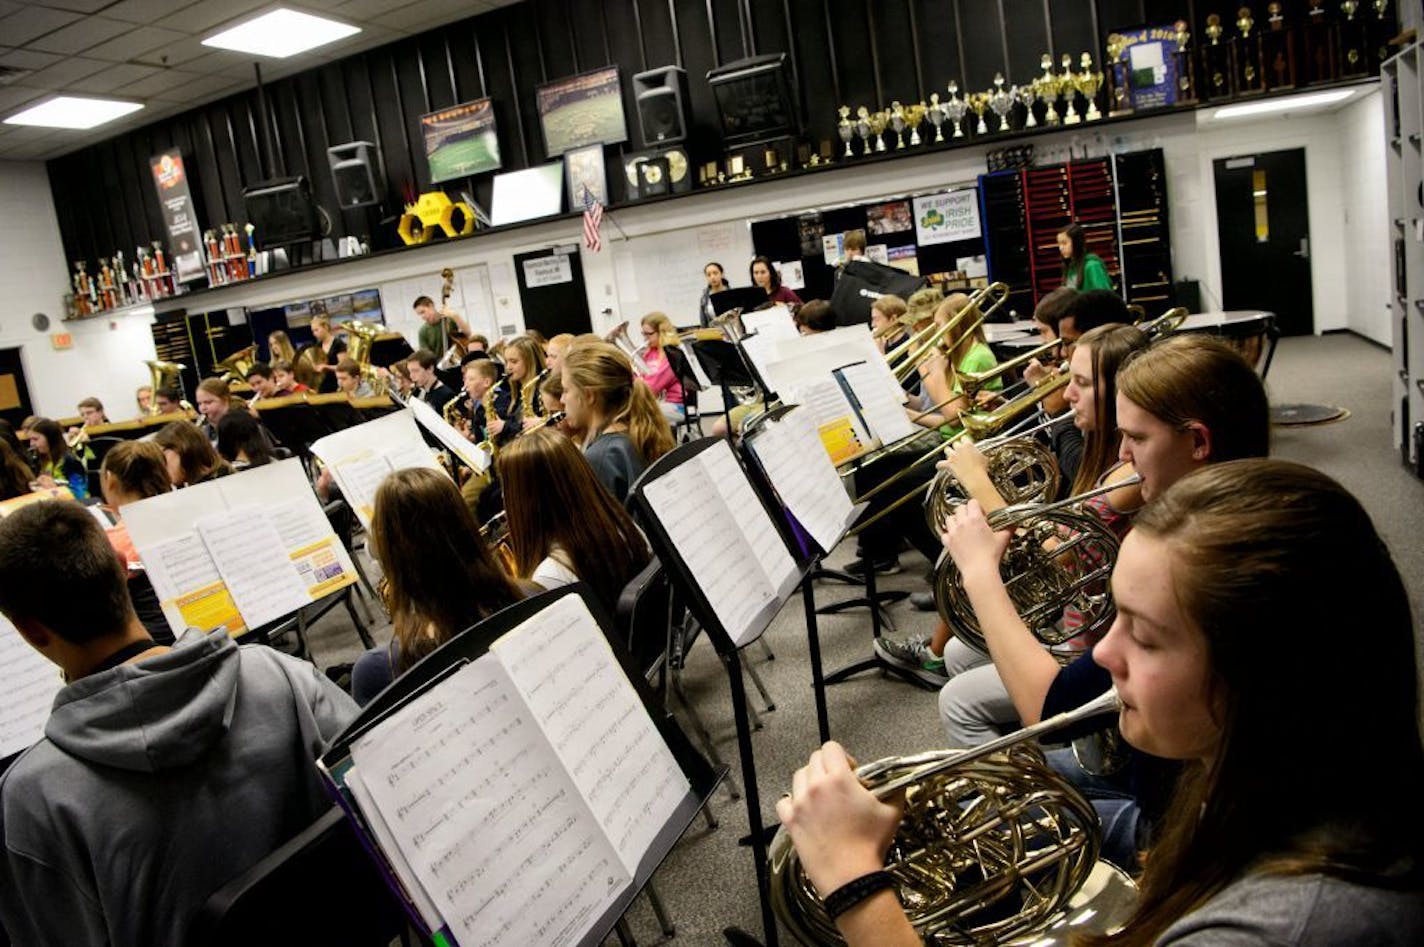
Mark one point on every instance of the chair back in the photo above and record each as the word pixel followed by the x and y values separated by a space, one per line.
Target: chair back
pixel 319 888
pixel 643 616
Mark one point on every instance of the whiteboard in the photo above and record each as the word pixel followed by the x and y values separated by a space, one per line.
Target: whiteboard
pixel 470 297
pixel 662 272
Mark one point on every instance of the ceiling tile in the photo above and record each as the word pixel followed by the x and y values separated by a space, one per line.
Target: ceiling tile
pixel 164 84
pixel 202 17
pixel 135 43
pixel 114 78
pixel 62 73
pixel 27 59
pixel 372 9
pixel 12 97
pixel 9 6
pixel 205 86
pixel 175 54
pixel 78 6
pixel 145 11
pixel 79 36
pixel 30 21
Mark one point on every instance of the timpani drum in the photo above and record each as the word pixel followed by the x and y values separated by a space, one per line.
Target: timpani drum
pixel 1252 332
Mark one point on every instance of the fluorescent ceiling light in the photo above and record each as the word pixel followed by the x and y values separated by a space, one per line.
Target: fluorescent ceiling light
pixel 1290 103
pixel 280 34
pixel 67 111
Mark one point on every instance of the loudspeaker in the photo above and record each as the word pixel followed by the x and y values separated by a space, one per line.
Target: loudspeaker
pixel 356 172
pixel 661 95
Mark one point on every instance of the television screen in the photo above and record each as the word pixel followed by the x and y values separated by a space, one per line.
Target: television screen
pixel 582 110
pixel 281 211
pixel 753 98
pixel 460 141
pixel 528 194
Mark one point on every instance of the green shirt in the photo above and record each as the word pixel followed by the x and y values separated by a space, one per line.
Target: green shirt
pixel 1092 275
pixel 979 358
pixel 435 337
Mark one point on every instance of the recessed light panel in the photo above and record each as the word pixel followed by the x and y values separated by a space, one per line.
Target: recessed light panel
pixel 67 111
pixel 280 34
pixel 1289 103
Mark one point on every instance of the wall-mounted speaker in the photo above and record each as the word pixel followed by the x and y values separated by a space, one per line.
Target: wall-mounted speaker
pixel 356 172
pixel 661 95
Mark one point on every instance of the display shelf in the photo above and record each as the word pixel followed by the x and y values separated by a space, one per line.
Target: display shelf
pixel 1404 177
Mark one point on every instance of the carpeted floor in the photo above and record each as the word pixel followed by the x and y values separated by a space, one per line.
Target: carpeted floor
pixel 708 882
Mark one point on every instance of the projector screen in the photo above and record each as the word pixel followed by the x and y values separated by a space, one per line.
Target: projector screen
pixel 528 194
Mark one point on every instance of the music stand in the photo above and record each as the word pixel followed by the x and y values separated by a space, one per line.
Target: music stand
pixel 336 411
pixel 743 297
pixel 292 421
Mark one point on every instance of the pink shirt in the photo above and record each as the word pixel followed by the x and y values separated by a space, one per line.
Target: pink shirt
pixel 660 377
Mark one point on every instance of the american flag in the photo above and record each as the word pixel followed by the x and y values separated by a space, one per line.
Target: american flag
pixel 592 221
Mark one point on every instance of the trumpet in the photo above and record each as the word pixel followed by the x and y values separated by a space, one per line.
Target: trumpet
pixel 1061 555
pixel 993 847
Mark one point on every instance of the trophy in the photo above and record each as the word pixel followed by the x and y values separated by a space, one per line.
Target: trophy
pixel 1027 96
pixel 845 129
pixel 1068 86
pixel 1117 48
pixel 915 115
pixel 936 115
pixel 1186 81
pixel 1216 61
pixel 1353 42
pixel 979 104
pixel 1321 46
pixel 1089 82
pixel 862 128
pixel 879 121
pixel 1047 86
pixel 898 124
pixel 1001 101
pixel 121 276
pixel 1246 56
pixel 956 109
pixel 1278 50
pixel 108 299
pixel 1380 31
pixel 81 290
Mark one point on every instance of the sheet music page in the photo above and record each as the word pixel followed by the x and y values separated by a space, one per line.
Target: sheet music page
pixel 484 813
pixel 855 344
pixel 569 677
pixel 747 510
pixel 320 557
pixel 789 450
pixel 775 322
pixel 827 404
pixel 184 576
pixel 390 847
pixel 30 682
pixel 431 420
pixel 360 457
pixel 716 553
pixel 881 405
pixel 248 551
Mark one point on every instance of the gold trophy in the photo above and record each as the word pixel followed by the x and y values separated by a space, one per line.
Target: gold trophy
pixel 1068 86
pixel 878 122
pixel 898 124
pixel 979 103
pixel 1001 101
pixel 845 129
pixel 956 108
pixel 1089 81
pixel 1027 95
pixel 1047 87
pixel 862 129
pixel 936 115
pixel 915 116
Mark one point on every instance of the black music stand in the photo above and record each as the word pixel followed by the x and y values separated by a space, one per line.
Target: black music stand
pixel 336 411
pixel 685 581
pixel 743 297
pixel 469 646
pixel 293 422
pixel 376 406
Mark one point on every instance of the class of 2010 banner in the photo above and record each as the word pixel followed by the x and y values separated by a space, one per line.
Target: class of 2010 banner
pixel 947 217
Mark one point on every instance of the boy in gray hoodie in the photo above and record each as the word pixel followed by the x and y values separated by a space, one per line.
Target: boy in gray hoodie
pixel 163 772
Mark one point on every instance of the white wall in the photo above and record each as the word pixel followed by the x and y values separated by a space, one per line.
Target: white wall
pixel 1367 246
pixel 107 357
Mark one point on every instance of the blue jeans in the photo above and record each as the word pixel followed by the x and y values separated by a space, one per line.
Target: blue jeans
pixel 1116 808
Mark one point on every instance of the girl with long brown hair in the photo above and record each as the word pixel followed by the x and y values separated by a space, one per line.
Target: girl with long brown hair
pixel 324 356
pixel 189 456
pixel 134 471
pixel 440 576
pixel 564 527
pixel 1292 821
pixel 15 474
pixel 624 430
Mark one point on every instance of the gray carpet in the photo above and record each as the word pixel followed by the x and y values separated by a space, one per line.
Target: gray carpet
pixel 708 882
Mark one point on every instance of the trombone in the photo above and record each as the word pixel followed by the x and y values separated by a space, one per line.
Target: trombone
pixel 929 341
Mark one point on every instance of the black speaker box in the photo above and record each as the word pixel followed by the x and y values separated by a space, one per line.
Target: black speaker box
pixel 356 173
pixel 661 95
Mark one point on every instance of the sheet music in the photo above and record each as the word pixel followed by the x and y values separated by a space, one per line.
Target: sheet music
pixel 430 419
pixel 250 556
pixel 390 847
pixel 882 406
pixel 775 322
pixel 736 490
pixel 186 580
pixel 566 672
pixel 790 452
pixel 361 456
pixel 320 558
pixel 30 683
pixel 486 816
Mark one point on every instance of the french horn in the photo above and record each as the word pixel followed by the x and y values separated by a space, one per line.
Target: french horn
pixel 993 847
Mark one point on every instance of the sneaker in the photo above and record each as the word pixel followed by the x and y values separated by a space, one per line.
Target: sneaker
pixel 856 567
pixel 923 601
pixel 914 655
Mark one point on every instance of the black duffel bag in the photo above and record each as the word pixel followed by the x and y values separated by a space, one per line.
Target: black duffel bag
pixel 861 282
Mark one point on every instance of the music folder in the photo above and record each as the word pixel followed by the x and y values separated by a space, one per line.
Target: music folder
pixel 520 784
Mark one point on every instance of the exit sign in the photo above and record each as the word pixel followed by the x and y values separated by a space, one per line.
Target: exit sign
pixel 62 340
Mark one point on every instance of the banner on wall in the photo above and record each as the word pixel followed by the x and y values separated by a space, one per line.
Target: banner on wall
pixel 947 217
pixel 180 219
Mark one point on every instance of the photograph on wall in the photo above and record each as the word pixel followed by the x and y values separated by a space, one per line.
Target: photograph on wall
pixel 892 217
pixel 833 248
pixel 878 253
pixel 791 273
pixel 583 168
pixel 461 141
pixel 947 217
pixel 1151 65
pixel 904 258
pixel 582 110
pixel 811 229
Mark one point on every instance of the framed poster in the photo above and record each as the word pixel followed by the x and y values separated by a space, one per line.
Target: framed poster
pixel 1148 61
pixel 461 141
pixel 947 217
pixel 582 110
pixel 583 168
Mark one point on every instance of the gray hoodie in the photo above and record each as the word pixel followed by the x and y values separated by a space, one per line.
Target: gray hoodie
pixel 157 783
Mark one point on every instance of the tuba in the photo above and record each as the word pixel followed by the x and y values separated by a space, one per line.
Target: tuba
pixel 164 375
pixel 235 367
pixel 360 340
pixel 993 847
pixel 624 343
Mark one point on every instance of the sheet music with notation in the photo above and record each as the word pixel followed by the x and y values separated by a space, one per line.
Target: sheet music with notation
pixel 521 792
pixel 30 682
pixel 724 535
pixel 881 404
pixel 430 419
pixel 361 457
pixel 789 450
pixel 247 549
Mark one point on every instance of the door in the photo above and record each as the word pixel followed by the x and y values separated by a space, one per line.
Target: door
pixel 14 393
pixel 551 291
pixel 1262 221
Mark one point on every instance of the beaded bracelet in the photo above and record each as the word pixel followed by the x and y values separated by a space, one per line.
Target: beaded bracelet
pixel 852 893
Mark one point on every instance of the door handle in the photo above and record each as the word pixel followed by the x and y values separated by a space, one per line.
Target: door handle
pixel 1304 251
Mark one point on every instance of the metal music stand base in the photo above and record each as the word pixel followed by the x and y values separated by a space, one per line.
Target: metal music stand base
pixel 877 618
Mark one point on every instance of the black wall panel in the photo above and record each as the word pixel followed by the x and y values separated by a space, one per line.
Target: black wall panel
pixel 843 52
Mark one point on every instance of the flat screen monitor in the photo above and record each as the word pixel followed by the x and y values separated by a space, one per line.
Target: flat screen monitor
pixel 528 194
pixel 281 211
pixel 461 141
pixel 582 110
pixel 753 98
